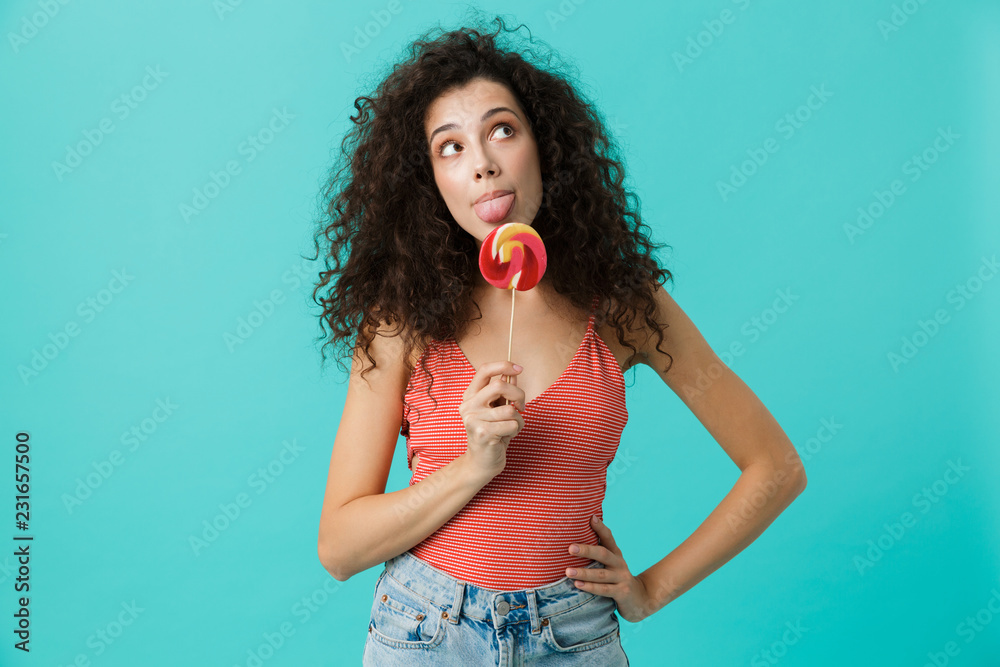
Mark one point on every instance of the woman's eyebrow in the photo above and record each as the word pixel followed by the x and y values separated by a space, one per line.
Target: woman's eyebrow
pixel 491 112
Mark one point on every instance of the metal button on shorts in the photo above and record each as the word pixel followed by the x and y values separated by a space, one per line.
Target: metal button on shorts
pixel 503 607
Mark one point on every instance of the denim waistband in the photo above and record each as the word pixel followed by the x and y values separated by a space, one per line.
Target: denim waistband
pixel 459 598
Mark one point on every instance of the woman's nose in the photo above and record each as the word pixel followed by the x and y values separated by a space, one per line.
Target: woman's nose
pixel 485 164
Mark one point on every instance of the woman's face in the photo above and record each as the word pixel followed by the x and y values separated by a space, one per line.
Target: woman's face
pixel 480 143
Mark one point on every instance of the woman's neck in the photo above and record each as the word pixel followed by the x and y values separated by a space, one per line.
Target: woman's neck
pixel 488 295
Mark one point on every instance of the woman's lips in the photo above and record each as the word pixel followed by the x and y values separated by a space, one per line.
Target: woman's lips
pixel 496 209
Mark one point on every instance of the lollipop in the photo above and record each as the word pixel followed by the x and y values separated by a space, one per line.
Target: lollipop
pixel 512 257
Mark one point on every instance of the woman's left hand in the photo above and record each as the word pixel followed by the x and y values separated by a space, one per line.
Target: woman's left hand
pixel 614 580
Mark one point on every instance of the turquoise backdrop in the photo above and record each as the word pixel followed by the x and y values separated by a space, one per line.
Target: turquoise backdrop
pixel 826 176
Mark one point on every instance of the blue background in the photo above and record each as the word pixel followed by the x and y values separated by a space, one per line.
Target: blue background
pixel 160 333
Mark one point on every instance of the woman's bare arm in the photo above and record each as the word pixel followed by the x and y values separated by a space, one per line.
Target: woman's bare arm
pixel 771 476
pixel 360 524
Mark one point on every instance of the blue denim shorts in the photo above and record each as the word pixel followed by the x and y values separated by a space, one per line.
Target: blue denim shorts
pixel 423 616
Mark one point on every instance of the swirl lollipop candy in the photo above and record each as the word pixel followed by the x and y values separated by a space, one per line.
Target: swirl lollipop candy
pixel 512 257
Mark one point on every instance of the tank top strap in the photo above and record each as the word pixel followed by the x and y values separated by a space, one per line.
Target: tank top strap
pixel 593 310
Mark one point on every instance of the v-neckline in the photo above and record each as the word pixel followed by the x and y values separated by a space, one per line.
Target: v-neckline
pixel 572 362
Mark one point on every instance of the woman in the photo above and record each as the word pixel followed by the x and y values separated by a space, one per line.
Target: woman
pixel 495 552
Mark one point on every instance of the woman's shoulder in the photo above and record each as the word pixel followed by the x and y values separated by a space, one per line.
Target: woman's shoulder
pixel 393 346
pixel 635 334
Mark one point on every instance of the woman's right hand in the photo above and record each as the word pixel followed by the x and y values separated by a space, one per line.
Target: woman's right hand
pixel 488 422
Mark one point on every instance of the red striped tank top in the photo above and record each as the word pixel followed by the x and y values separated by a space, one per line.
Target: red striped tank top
pixel 516 531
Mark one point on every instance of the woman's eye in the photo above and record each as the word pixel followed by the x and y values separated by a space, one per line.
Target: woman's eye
pixel 506 126
pixel 444 147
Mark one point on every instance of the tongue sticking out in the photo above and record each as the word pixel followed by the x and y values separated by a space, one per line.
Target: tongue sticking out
pixel 495 210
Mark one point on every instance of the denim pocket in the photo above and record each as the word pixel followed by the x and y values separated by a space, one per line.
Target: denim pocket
pixel 403 619
pixel 587 626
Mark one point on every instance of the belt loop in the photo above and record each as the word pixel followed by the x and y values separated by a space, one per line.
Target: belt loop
pixel 533 612
pixel 456 603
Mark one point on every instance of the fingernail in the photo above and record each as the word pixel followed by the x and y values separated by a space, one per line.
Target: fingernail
pixel 574 549
pixel 517 368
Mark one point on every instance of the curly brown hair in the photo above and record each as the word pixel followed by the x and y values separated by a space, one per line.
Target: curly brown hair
pixel 407 261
